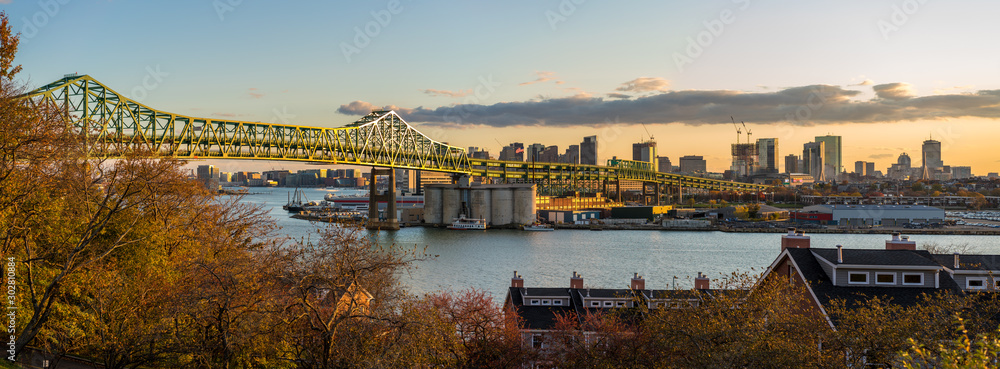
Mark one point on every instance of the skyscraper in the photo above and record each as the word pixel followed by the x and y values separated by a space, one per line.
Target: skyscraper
pixel 588 150
pixel 932 155
pixel 535 152
pixel 831 157
pixel 572 155
pixel 792 164
pixel 869 169
pixel 645 151
pixel 513 152
pixel 549 154
pixel 812 160
pixel 663 164
pixel 767 155
pixel 859 168
pixel 693 164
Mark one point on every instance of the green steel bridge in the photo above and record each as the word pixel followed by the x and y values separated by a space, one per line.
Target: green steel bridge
pixel 115 124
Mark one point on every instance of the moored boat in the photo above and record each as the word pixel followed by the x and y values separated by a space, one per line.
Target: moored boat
pixel 538 227
pixel 468 224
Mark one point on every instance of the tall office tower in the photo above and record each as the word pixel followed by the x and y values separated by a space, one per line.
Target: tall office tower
pixel 812 160
pixel 534 151
pixel 693 164
pixel 869 169
pixel 513 152
pixel 832 152
pixel 792 164
pixel 859 168
pixel 663 164
pixel 767 155
pixel 549 154
pixel 588 150
pixel 645 151
pixel 932 155
pixel 209 175
pixel 572 155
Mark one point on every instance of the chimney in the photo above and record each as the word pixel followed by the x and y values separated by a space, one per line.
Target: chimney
pixel 517 281
pixel 900 243
pixel 701 283
pixel 795 240
pixel 576 281
pixel 956 260
pixel 638 283
pixel 840 254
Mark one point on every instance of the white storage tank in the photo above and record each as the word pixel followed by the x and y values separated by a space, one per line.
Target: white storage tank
pixel 502 206
pixel 432 205
pixel 451 205
pixel 480 204
pixel 524 205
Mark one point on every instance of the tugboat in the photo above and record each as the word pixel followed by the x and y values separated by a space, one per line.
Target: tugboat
pixel 295 202
pixel 468 224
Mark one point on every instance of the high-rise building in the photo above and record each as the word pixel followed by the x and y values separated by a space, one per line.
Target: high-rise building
pixel 832 151
pixel 534 151
pixel 767 155
pixel 663 164
pixel 932 155
pixel 812 160
pixel 477 153
pixel 869 169
pixel 425 178
pixel 792 164
pixel 572 155
pixel 549 154
pixel 859 168
pixel 961 172
pixel 513 152
pixel 645 151
pixel 693 164
pixel 208 175
pixel 902 168
pixel 588 150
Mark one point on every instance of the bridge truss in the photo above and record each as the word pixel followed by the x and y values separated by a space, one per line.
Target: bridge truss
pixel 113 124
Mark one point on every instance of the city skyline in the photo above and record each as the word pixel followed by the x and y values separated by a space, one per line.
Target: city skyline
pixel 861 71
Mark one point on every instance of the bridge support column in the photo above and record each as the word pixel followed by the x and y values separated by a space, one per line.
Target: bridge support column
pixel 390 222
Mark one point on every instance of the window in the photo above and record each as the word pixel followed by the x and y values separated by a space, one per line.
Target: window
pixel 609 304
pixel 975 283
pixel 536 341
pixel 556 302
pixel 546 302
pixel 621 303
pixel 857 277
pixel 534 302
pixel 885 278
pixel 595 303
pixel 913 279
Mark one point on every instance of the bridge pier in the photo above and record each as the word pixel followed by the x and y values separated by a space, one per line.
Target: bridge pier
pixel 390 222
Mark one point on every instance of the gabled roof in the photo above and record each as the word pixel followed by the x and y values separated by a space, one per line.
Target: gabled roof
pixel 877 257
pixel 969 262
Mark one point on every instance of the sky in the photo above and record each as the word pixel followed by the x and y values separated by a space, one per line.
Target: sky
pixel 884 75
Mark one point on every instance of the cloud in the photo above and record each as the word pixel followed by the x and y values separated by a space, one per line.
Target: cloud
pixel 542 77
pixel 615 95
pixel 802 105
pixel 644 84
pixel 866 82
pixel 447 93
pixel 880 156
pixel 253 94
pixel 894 91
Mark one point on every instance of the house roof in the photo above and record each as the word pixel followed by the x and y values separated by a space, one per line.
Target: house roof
pixel 969 262
pixel 876 257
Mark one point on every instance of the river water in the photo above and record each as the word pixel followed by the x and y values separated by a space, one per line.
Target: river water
pixel 486 260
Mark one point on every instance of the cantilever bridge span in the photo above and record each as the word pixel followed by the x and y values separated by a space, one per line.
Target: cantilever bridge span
pixel 115 124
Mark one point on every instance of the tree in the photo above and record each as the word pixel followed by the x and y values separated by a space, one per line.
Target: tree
pixel 981 351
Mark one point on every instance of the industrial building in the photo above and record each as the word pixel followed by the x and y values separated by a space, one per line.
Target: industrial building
pixel 569 216
pixel 499 205
pixel 868 215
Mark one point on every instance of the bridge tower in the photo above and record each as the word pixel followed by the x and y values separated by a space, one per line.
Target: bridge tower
pixel 389 221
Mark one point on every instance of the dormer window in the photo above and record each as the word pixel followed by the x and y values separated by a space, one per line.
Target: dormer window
pixel 885 278
pixel 534 302
pixel 595 303
pixel 546 302
pixel 913 279
pixel 556 302
pixel 857 277
pixel 975 283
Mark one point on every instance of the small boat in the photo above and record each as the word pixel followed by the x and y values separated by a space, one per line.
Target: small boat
pixel 296 202
pixel 468 224
pixel 538 227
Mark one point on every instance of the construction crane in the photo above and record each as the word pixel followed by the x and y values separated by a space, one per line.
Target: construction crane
pixel 738 132
pixel 647 131
pixel 748 131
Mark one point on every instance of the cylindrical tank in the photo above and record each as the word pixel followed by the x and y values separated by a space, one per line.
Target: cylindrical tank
pixel 502 206
pixel 432 205
pixel 451 205
pixel 524 205
pixel 479 204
